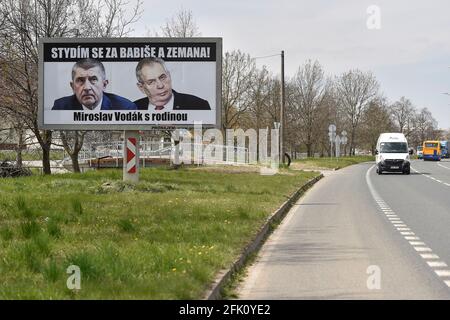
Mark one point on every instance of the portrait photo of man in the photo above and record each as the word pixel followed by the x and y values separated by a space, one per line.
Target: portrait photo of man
pixel 88 85
pixel 154 80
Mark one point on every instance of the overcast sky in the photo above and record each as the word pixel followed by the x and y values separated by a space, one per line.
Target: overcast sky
pixel 409 55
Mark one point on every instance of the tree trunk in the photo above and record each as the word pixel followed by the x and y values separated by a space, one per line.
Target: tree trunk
pixel 352 141
pixel 46 142
pixel 308 149
pixel 19 150
pixel 75 162
pixel 73 151
pixel 19 158
pixel 46 159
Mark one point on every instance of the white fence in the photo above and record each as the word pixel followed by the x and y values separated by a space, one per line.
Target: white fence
pixel 166 150
pixel 115 150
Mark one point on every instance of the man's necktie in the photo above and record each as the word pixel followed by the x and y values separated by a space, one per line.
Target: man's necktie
pixel 159 107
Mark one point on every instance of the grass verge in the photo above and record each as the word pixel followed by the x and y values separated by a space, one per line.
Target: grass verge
pixel 165 238
pixel 30 155
pixel 329 163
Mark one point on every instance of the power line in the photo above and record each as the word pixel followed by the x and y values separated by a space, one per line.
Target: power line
pixel 273 55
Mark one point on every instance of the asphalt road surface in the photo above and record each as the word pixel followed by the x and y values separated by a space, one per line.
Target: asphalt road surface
pixel 359 235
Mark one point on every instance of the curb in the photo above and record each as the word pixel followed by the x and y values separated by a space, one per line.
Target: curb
pixel 214 293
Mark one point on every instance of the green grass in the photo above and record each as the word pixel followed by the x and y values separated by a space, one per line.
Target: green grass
pixel 330 163
pixel 165 238
pixel 31 155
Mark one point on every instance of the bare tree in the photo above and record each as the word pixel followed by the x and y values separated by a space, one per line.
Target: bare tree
pixel 425 127
pixel 181 25
pixel 376 120
pixel 24 23
pixel 72 142
pixel 355 90
pixel 264 106
pixel 403 113
pixel 256 110
pixel 108 19
pixel 237 73
pixel 310 89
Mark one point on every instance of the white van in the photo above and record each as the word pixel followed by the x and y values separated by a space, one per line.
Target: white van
pixel 392 153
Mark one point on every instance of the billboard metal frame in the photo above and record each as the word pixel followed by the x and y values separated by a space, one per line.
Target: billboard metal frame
pixel 142 126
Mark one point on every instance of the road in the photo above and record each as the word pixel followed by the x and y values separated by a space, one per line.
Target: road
pixel 359 235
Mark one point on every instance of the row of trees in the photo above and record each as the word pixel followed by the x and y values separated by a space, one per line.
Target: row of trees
pixel 250 95
pixel 352 101
pixel 22 23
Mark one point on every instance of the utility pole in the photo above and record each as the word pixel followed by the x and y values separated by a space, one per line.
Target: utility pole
pixel 282 122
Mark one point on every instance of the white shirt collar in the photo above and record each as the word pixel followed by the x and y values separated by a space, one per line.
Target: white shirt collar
pixel 96 108
pixel 167 107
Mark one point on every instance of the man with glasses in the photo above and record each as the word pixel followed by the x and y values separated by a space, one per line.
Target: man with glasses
pixel 155 82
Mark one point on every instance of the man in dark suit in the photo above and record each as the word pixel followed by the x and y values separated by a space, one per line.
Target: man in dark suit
pixel 155 82
pixel 88 85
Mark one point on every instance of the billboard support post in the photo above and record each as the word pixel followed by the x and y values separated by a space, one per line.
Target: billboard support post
pixel 131 156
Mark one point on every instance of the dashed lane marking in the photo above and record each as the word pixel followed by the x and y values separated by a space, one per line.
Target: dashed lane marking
pixel 423 249
pixel 433 178
pixel 417 243
pixel 425 252
pixel 440 165
pixel 429 256
pixel 443 273
pixel 437 264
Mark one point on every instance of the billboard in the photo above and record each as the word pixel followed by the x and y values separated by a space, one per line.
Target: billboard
pixel 129 83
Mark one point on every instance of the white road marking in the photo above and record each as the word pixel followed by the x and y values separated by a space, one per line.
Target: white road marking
pixel 433 178
pixel 423 249
pixel 437 264
pixel 419 246
pixel 417 243
pixel 440 165
pixel 429 256
pixel 443 273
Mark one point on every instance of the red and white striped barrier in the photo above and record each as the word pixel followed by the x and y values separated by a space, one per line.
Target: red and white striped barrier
pixel 131 155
